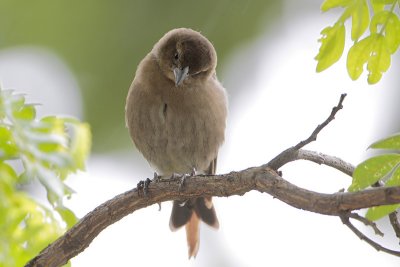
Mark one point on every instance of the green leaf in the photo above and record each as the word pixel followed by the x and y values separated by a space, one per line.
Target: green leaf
pixel 377 6
pixel 392 34
pixel 26 228
pixel 391 142
pixel 15 101
pixel 376 213
pixel 379 60
pixel 371 50
pixel 389 24
pixel 332 45
pixel 358 55
pixel 80 143
pixel 372 170
pixel 8 179
pixel 49 150
pixel 394 180
pixel 360 19
pixel 329 4
pixel 53 124
pixel 27 112
pixel 68 216
pixel 384 2
pixel 8 148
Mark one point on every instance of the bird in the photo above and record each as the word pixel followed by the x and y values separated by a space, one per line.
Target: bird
pixel 176 111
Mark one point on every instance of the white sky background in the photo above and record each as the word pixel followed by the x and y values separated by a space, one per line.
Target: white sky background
pixel 282 100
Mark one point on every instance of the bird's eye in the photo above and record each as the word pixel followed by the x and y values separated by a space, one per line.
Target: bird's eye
pixel 176 56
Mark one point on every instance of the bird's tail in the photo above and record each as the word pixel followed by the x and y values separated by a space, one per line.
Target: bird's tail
pixel 189 213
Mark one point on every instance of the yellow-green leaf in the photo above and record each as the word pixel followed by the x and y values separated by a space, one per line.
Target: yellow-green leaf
pixel 8 148
pixel 329 4
pixel 358 55
pixel 376 213
pixel 391 142
pixel 52 124
pixel 373 51
pixel 379 60
pixel 389 24
pixel 394 179
pixel 372 170
pixel 67 215
pixel 332 45
pixel 384 2
pixel 8 179
pixel 26 112
pixel 80 143
pixel 360 19
pixel 377 6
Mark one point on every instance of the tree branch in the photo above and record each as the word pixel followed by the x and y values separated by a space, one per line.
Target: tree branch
pixel 285 156
pixel 378 247
pixel 264 179
pixel 365 221
pixel 290 155
pixel 394 221
pixel 319 128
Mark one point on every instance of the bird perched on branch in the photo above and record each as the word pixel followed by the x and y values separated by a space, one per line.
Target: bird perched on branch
pixel 176 114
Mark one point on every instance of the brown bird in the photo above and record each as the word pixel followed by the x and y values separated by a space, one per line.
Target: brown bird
pixel 176 114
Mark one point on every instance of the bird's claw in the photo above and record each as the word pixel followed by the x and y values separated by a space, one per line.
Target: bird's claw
pixel 143 187
pixel 156 177
pixel 183 177
pixel 182 182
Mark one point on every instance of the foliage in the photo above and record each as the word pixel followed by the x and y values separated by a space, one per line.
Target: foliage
pixel 384 168
pixel 373 50
pixel 47 150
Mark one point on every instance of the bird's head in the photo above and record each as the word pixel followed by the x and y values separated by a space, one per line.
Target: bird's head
pixel 185 55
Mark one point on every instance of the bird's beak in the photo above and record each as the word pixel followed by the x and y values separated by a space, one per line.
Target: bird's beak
pixel 180 75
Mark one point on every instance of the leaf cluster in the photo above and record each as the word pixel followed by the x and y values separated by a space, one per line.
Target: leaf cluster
pixel 373 50
pixel 48 149
pixel 384 169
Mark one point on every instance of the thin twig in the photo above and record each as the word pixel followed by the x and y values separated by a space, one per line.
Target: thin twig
pixel 346 221
pixel 286 155
pixel 316 157
pixel 366 222
pixel 331 117
pixel 394 221
pixel 331 161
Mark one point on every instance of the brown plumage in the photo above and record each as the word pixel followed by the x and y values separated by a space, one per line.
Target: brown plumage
pixel 176 113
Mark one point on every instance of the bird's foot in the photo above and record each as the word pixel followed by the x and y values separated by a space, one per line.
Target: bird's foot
pixel 143 187
pixel 183 177
pixel 156 177
pixel 182 182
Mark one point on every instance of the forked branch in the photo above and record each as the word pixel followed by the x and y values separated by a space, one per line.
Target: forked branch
pixel 264 179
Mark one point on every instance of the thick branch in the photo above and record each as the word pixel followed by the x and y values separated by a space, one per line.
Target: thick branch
pixel 262 179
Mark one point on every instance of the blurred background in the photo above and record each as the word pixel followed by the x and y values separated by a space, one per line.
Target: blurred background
pixel 78 58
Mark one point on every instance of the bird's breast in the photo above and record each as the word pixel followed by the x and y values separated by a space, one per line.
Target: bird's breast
pixel 184 132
